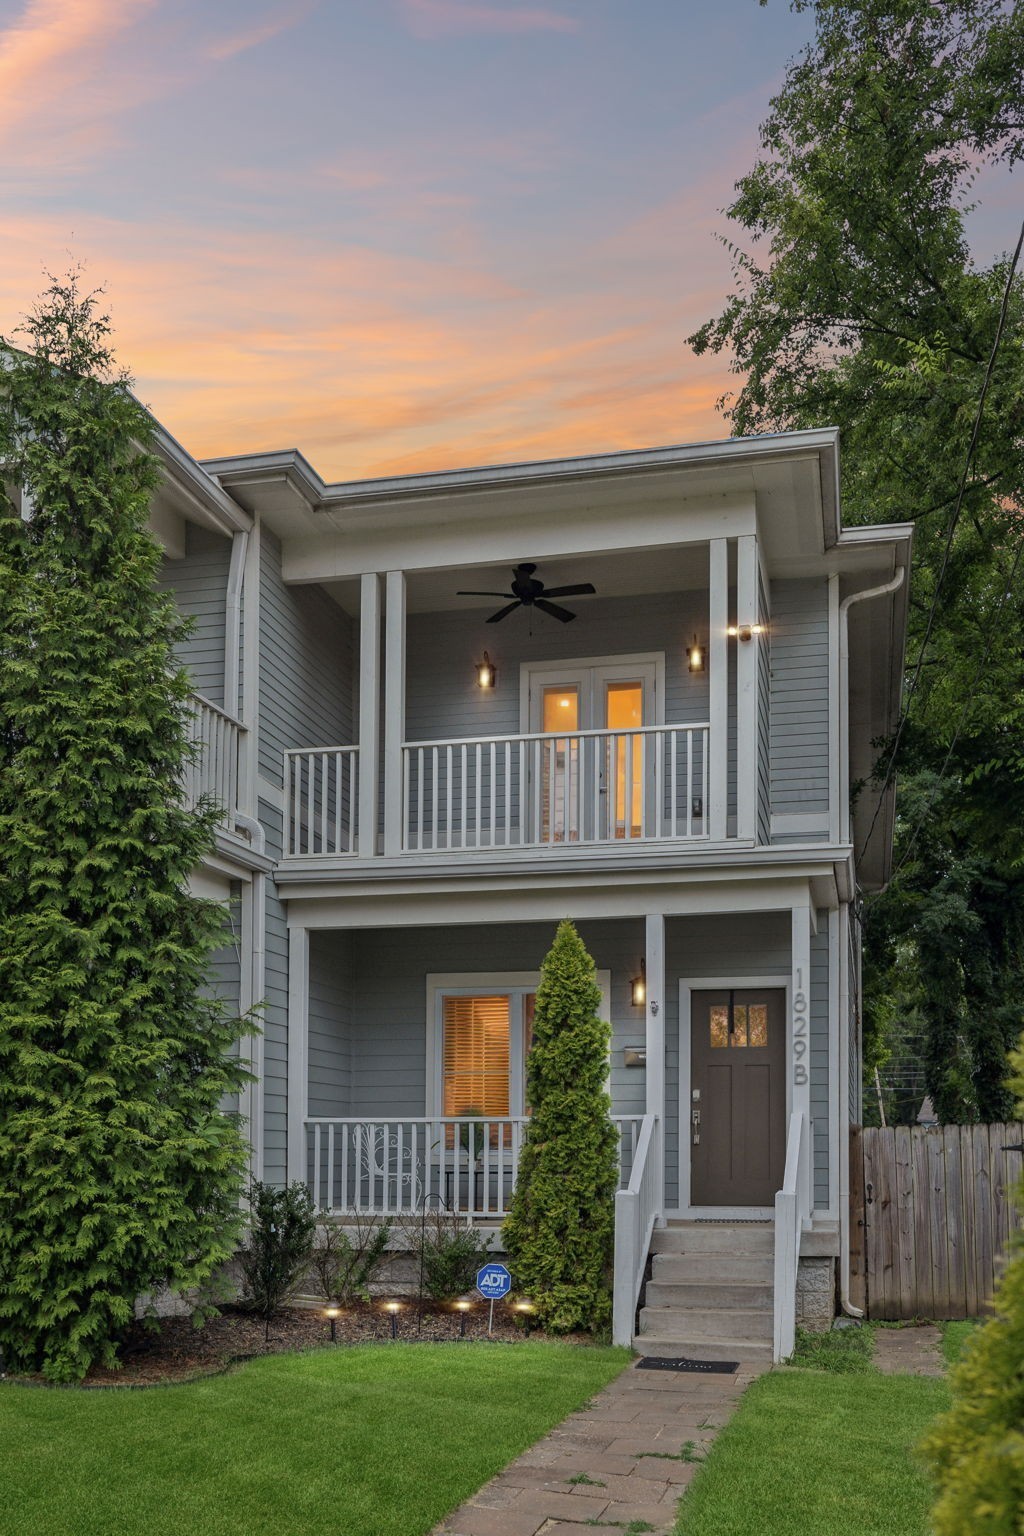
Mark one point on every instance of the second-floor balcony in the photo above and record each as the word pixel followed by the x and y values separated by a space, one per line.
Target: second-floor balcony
pixel 540 790
pixel 216 770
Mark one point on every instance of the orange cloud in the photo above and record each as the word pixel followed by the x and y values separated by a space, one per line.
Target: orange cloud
pixel 262 32
pixel 439 18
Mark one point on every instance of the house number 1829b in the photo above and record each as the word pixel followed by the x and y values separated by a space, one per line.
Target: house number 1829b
pixel 800 1033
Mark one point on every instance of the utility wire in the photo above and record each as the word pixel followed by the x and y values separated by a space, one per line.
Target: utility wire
pixel 950 532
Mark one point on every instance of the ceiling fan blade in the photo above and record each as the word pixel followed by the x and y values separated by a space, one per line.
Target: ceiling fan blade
pixel 481 594
pixel 580 590
pixel 503 613
pixel 556 613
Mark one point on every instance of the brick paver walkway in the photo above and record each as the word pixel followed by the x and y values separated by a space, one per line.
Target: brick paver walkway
pixel 627 1457
pixel 915 1351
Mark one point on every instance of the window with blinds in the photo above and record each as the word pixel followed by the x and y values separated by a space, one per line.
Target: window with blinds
pixel 476 1055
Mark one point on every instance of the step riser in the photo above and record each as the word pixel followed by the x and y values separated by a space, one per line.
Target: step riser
pixel 716 1298
pixel 671 1324
pixel 734 1349
pixel 713 1269
pixel 725 1240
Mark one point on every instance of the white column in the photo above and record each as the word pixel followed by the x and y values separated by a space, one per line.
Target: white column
pixel 394 709
pixel 369 712
pixel 746 688
pixel 718 680
pixel 655 1041
pixel 298 1050
pixel 800 1041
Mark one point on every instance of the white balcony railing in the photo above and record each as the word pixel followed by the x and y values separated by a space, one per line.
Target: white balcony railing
pixel 542 790
pixel 216 770
pixel 395 1167
pixel 321 788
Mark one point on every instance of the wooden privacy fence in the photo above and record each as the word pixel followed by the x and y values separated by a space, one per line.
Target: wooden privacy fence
pixel 931 1210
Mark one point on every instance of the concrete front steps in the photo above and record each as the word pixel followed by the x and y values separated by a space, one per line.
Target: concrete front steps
pixel 710 1296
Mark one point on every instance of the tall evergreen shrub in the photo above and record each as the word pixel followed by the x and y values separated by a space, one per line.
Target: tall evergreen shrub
pixel 976 1450
pixel 118 1171
pixel 560 1230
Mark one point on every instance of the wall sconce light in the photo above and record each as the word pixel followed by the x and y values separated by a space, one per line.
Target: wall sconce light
pixel 394 1307
pixel 745 631
pixel 333 1313
pixel 462 1307
pixel 695 656
pixel 486 673
pixel 639 986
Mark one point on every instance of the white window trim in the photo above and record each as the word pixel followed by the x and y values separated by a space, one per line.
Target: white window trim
pixel 529 671
pixel 482 983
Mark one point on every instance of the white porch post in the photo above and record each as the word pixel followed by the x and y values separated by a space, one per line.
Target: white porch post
pixel 369 712
pixel 655 1039
pixel 718 678
pixel 394 710
pixel 298 1050
pixel 800 1042
pixel 746 688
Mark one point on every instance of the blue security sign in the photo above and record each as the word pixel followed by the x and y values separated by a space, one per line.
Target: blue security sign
pixel 493 1282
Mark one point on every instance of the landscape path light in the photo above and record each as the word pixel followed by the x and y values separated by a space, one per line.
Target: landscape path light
pixel 394 1307
pixel 462 1307
pixel 332 1313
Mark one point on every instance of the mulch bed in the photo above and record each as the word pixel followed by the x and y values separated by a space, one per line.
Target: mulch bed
pixel 180 1352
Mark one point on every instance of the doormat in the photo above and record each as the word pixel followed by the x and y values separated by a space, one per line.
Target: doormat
pixel 718 1367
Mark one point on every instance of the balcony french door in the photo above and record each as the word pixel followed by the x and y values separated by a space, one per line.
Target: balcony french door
pixel 616 699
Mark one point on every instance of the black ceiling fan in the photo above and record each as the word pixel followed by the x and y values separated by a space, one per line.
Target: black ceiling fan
pixel 528 592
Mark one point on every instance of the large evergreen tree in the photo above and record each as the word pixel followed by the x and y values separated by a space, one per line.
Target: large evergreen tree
pixel 560 1230
pixel 118 1171
pixel 858 303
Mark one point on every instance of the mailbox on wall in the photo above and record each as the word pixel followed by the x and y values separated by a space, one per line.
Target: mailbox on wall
pixel 634 1056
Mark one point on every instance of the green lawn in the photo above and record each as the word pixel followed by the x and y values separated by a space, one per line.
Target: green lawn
pixel 811 1453
pixel 372 1441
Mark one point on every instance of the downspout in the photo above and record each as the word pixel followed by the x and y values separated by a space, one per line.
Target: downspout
pixel 844 929
pixel 233 621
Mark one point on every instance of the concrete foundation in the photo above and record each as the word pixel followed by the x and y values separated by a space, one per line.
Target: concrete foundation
pixel 816 1294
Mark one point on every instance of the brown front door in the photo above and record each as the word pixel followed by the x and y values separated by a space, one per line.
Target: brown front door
pixel 738 1096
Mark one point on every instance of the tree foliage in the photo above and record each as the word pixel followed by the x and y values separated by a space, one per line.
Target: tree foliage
pixel 977 1449
pixel 560 1229
pixel 118 1172
pixel 278 1248
pixel 858 303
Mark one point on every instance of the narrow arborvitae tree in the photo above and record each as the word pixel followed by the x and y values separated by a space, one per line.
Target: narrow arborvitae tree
pixel 118 1172
pixel 560 1230
pixel 976 1450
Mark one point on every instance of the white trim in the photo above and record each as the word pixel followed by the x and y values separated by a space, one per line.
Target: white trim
pixel 654 1039
pixel 369 712
pixel 687 986
pixel 394 710
pixel 443 984
pixel 835 1117
pixel 248 788
pixel 718 688
pixel 802 923
pixel 273 794
pixel 298 1051
pixel 531 672
pixel 746 689
pixel 795 823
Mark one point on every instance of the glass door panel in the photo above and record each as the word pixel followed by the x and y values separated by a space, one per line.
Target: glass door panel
pixel 624 708
pixel 560 765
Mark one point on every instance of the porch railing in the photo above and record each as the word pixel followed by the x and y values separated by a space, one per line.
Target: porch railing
pixel 792 1207
pixel 636 1211
pixel 556 790
pixel 393 1167
pixel 216 769
pixel 321 787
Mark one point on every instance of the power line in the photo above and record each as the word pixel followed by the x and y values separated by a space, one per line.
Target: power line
pixel 950 532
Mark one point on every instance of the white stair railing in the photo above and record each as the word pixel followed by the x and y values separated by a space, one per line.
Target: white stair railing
pixel 792 1208
pixel 636 1212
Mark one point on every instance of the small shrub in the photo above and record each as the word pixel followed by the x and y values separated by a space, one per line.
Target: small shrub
pixel 278 1248
pixel 345 1263
pixel 449 1254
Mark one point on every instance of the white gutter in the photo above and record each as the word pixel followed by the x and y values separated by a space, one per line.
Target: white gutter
pixel 233 621
pixel 844 928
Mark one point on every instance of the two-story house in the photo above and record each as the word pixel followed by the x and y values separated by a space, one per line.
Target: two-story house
pixel 444 711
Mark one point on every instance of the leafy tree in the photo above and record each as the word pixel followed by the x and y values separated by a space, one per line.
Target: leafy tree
pixel 278 1248
pixel 559 1232
pixel 118 1172
pixel 976 1451
pixel 858 303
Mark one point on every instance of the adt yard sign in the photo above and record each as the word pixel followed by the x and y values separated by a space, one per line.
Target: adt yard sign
pixel 493 1282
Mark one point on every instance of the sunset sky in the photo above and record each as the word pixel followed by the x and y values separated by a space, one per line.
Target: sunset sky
pixel 395 234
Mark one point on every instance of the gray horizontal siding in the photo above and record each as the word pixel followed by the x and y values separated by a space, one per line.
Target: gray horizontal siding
pixel 306 666
pixel 330 1024
pixel 199 585
pixel 799 697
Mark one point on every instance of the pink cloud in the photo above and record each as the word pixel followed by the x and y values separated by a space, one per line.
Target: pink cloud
pixel 445 18
pixel 262 32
